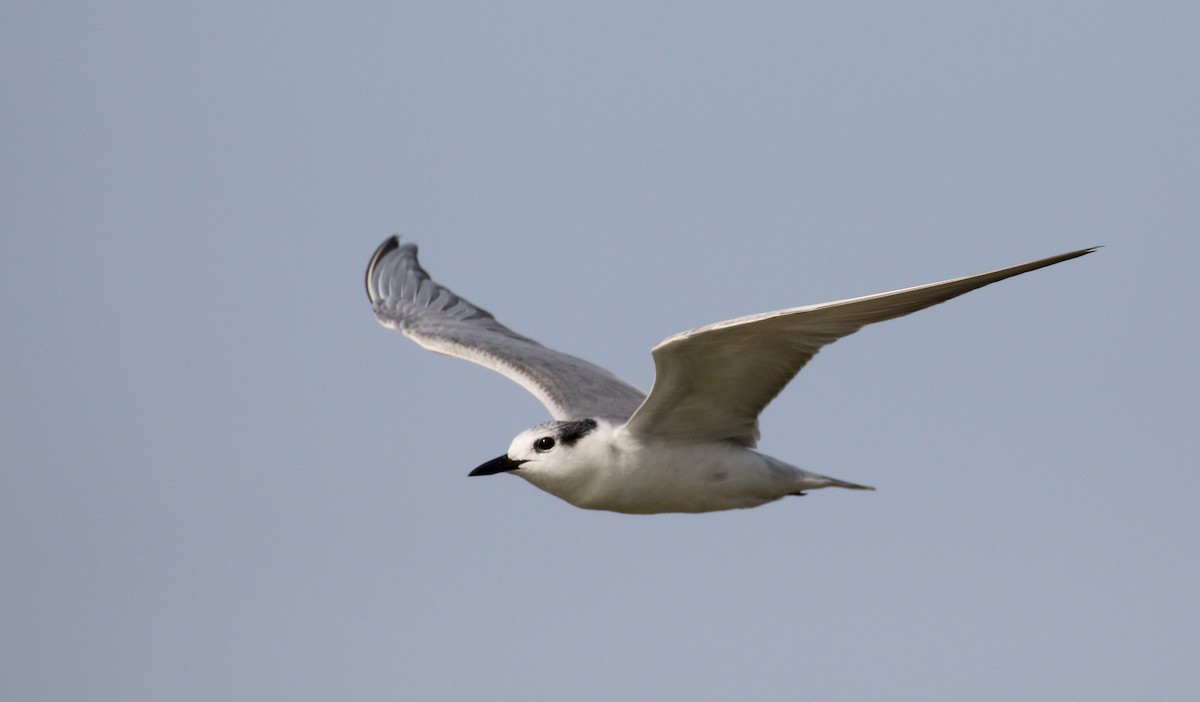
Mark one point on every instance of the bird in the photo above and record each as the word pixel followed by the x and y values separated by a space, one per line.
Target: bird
pixel 689 446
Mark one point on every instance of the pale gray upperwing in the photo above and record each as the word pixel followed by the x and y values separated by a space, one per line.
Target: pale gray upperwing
pixel 711 383
pixel 405 298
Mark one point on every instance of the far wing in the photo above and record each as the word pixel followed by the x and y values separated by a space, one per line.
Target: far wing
pixel 405 298
pixel 711 383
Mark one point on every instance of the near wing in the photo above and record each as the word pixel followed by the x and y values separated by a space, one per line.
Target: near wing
pixel 711 383
pixel 405 298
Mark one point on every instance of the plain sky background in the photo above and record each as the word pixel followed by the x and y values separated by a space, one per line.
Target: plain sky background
pixel 222 480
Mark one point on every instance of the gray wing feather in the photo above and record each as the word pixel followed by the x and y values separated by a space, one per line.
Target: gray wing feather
pixel 711 383
pixel 405 298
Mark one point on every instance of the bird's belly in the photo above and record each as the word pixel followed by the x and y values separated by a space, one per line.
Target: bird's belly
pixel 690 480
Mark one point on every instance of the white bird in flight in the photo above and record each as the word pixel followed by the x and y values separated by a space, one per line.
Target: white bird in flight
pixel 688 446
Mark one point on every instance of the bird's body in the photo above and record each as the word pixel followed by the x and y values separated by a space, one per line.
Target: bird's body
pixel 686 447
pixel 613 469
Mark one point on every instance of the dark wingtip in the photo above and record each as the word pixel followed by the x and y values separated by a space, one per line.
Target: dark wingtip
pixel 1076 254
pixel 390 244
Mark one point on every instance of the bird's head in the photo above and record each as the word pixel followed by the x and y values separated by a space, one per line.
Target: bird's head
pixel 551 450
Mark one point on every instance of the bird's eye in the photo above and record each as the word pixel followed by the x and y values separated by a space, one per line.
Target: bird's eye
pixel 544 444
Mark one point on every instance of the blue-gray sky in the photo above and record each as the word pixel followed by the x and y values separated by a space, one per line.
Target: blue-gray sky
pixel 222 479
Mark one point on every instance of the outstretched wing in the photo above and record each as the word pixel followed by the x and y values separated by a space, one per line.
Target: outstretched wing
pixel 405 298
pixel 711 383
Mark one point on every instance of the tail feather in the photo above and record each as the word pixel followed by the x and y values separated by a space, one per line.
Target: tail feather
pixel 814 482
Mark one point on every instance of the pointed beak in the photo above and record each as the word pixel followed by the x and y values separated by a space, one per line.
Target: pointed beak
pixel 497 465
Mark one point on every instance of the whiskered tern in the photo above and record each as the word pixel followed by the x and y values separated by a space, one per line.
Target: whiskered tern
pixel 688 446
